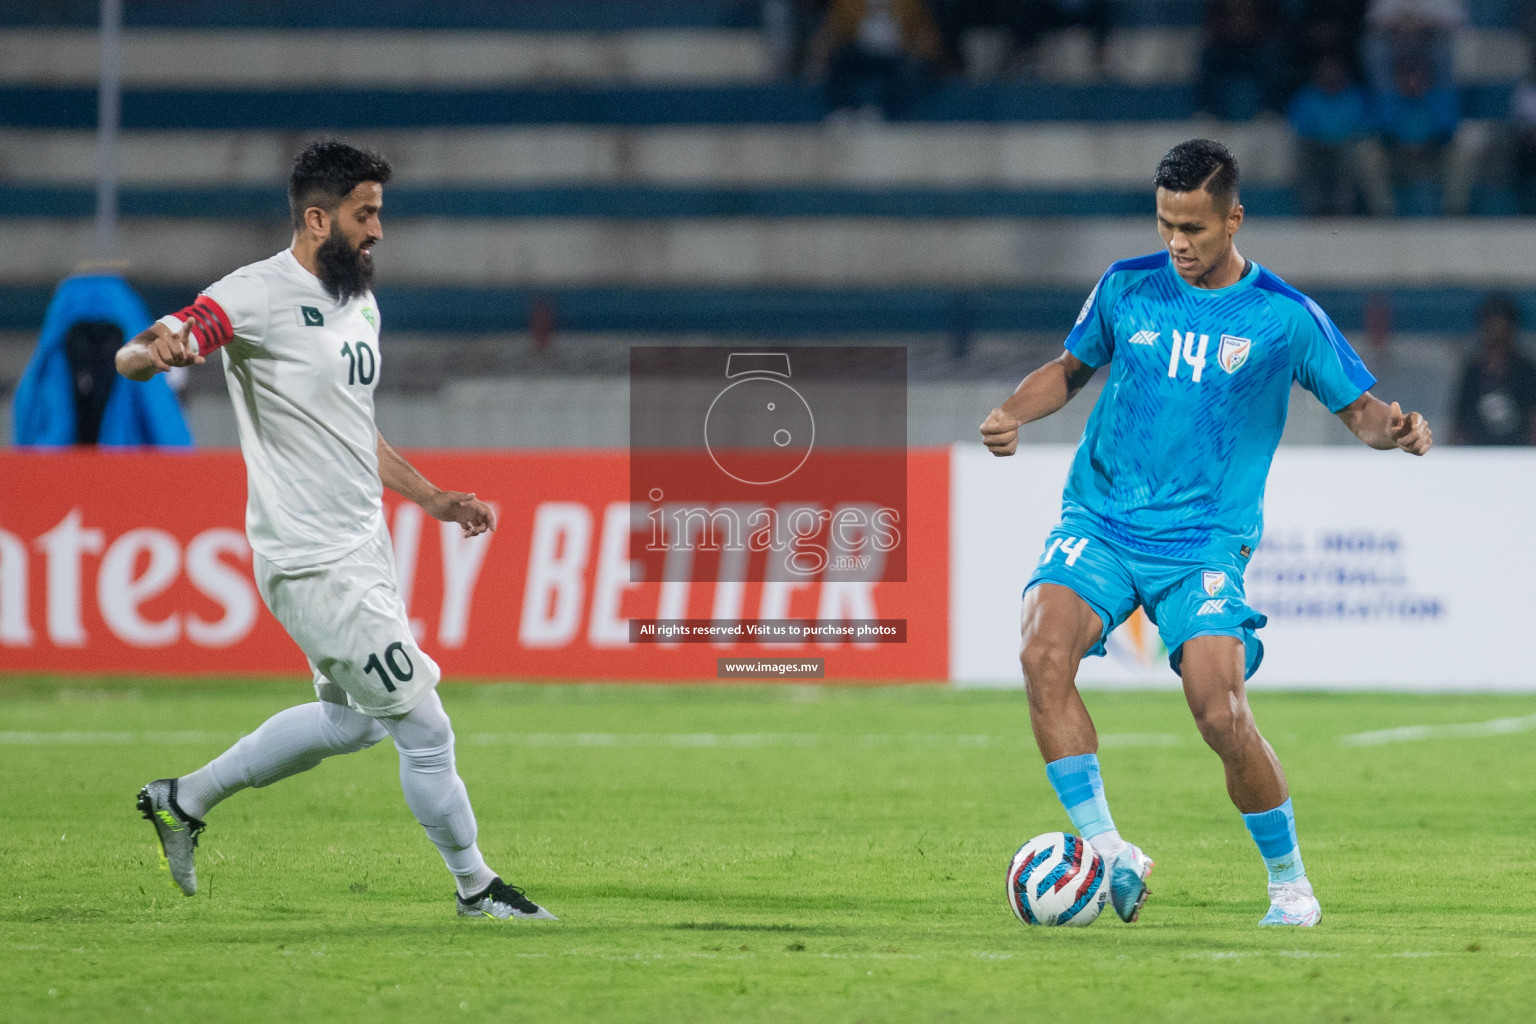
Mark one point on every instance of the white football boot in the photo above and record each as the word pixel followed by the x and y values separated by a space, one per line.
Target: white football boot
pixel 1292 903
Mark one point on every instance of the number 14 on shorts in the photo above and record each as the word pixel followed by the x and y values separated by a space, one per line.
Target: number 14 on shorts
pixel 1070 547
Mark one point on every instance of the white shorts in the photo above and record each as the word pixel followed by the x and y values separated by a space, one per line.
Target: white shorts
pixel 348 619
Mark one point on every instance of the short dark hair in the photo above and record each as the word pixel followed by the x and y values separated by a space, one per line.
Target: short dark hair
pixel 1200 164
pixel 326 172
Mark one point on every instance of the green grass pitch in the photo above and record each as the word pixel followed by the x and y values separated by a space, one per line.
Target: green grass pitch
pixel 759 854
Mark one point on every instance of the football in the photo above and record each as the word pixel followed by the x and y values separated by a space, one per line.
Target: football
pixel 1057 879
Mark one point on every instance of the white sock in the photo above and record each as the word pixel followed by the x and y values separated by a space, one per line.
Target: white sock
pixel 292 741
pixel 435 793
pixel 1108 844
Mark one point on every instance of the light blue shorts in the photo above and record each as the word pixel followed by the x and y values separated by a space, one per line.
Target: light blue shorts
pixel 1184 597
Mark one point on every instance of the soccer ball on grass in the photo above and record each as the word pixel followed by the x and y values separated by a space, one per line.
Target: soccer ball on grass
pixel 1057 879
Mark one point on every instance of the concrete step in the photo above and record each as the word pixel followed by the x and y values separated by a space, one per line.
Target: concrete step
pixel 256 58
pixel 1038 155
pixel 623 202
pixel 1494 198
pixel 821 253
pixel 960 314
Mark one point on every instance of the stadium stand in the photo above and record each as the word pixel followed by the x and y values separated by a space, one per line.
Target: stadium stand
pixel 576 177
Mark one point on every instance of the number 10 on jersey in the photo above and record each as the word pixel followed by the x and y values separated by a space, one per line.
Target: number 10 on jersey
pixel 362 364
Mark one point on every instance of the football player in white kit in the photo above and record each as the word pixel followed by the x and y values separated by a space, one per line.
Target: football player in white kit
pixel 300 340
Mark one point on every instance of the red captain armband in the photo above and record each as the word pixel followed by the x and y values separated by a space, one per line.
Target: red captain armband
pixel 211 324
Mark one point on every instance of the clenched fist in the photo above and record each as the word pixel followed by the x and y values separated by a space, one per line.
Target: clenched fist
pixel 1000 433
pixel 1410 431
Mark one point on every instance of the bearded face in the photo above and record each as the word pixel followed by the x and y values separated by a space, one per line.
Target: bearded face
pixel 346 270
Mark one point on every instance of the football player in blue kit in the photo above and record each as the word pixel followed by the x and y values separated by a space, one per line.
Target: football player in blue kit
pixel 1163 506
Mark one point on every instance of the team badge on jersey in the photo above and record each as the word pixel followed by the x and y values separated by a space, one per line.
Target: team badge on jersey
pixel 371 317
pixel 309 316
pixel 1213 581
pixel 1233 352
pixel 1082 314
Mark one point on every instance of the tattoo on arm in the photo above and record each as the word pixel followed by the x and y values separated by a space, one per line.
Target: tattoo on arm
pixel 1078 376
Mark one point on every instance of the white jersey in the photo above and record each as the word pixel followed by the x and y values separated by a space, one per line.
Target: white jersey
pixel 301 369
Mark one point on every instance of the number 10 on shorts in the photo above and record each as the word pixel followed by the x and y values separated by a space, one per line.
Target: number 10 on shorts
pixel 399 663
pixel 1071 547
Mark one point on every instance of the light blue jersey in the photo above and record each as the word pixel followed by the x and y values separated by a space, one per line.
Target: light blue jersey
pixel 1176 452
pixel 1165 500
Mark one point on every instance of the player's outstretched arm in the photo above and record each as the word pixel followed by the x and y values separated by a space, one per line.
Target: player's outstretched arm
pixel 156 350
pixel 474 515
pixel 1037 396
pixel 1386 426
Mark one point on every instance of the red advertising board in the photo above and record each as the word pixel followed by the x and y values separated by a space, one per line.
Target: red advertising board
pixel 122 562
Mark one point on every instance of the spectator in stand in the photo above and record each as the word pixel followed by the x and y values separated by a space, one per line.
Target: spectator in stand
pixel 788 26
pixel 1025 23
pixel 1241 72
pixel 1522 142
pixel 1496 399
pixel 1331 117
pixel 1320 28
pixel 1029 21
pixel 952 19
pixel 1416 156
pixel 71 392
pixel 875 55
pixel 1418 31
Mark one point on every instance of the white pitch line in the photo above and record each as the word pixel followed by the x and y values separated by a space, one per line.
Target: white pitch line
pixel 1458 730
pixel 651 740
pixel 1295 954
pixel 102 739
pixel 65 739
pixel 793 739
pixel 645 739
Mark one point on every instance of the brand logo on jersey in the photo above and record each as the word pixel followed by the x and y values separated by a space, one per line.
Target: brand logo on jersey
pixel 311 317
pixel 1233 352
pixel 1213 607
pixel 1213 582
pixel 373 321
pixel 1082 314
pixel 1145 338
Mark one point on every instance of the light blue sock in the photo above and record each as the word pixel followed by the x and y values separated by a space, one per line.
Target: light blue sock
pixel 1275 833
pixel 1081 791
